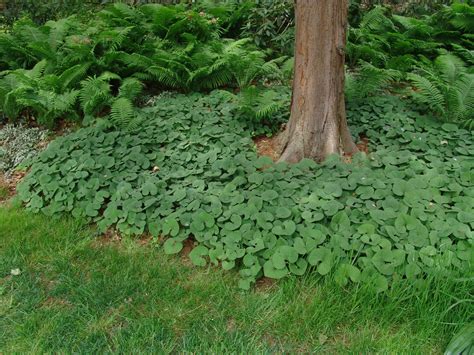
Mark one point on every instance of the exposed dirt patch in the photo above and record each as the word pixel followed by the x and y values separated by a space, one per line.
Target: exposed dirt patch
pixel 267 146
pixel 145 240
pixel 184 253
pixel 110 237
pixel 231 325
pixel 8 185
pixel 53 302
pixel 362 146
pixel 47 283
pixel 265 284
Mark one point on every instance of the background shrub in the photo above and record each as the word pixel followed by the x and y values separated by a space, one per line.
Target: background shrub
pixel 75 68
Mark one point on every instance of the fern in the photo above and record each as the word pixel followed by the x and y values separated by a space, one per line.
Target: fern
pixel 369 80
pixel 94 95
pixel 73 75
pixel 47 97
pixel 130 88
pixel 447 88
pixel 375 19
pixel 449 68
pixel 123 115
pixel 428 93
pixel 461 16
pixel 261 104
pixel 121 112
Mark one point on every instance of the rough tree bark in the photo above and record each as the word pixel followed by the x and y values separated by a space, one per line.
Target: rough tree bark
pixel 318 125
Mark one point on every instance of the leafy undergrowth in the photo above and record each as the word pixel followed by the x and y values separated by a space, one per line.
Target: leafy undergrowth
pixel 190 170
pixel 69 292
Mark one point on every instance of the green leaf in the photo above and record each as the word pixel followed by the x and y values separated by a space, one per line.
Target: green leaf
pixel 170 227
pixel 288 227
pixel 299 268
pixel 412 270
pixel 245 284
pixel 197 255
pixel 466 217
pixel 269 195
pixel 172 246
pixel 283 255
pixel 381 284
pixel 283 212
pixel 270 271
pixel 317 255
pixel 149 188
pixel 325 267
pixel 235 223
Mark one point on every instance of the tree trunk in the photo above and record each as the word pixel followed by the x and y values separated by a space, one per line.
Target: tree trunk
pixel 318 125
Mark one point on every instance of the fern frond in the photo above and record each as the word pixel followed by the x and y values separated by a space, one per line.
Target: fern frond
pixel 375 19
pixel 114 37
pixel 449 67
pixel 107 76
pixel 165 76
pixel 426 92
pixel 94 95
pixel 136 60
pixel 368 80
pixel 465 54
pixel 121 112
pixel 11 106
pixel 260 104
pixel 130 88
pixel 37 70
pixel 64 102
pixel 288 67
pixel 73 75
pixel 462 17
pixel 161 16
pixel 119 13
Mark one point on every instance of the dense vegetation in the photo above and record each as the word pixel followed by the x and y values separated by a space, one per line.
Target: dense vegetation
pixel 152 109
pixel 70 67
pixel 183 164
pixel 190 169
pixel 85 68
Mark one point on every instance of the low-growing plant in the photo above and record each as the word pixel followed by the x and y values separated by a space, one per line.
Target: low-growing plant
pixel 191 171
pixel 17 145
pixel 96 97
pixel 400 42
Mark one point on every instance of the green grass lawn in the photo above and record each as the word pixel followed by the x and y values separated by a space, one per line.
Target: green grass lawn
pixel 80 293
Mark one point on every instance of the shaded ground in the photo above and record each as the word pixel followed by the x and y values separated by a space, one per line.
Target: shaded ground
pixel 267 146
pixel 8 185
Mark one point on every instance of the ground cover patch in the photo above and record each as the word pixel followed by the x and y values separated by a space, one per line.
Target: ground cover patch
pixel 17 144
pixel 191 170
